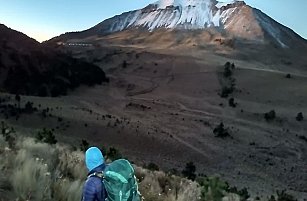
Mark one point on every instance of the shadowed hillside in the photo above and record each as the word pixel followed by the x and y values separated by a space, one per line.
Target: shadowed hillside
pixel 30 68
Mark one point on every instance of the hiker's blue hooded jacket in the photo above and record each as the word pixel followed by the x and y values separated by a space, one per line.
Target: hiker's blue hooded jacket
pixel 94 189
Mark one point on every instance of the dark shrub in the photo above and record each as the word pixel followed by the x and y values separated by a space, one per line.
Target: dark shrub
pixel 243 193
pixel 152 167
pixel 227 64
pixel 227 72
pixel 189 171
pixel 288 76
pixel 226 91
pixel 232 103
pixel 220 131
pixel 113 154
pixel 18 99
pixel 29 108
pixel 270 115
pixel 233 66
pixel 302 137
pixel 8 134
pixel 300 117
pixel 125 64
pixel 46 136
pixel 283 196
pixel 84 145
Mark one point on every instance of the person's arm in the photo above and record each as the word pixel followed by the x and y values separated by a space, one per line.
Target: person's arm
pixel 89 191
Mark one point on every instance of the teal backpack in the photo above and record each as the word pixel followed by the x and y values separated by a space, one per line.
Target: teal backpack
pixel 120 181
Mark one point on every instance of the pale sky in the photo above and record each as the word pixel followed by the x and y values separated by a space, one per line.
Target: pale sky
pixel 44 19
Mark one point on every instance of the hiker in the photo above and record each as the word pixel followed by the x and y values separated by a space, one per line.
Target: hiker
pixel 113 182
pixel 94 189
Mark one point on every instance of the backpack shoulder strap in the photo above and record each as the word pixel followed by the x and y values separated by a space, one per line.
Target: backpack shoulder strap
pixel 96 174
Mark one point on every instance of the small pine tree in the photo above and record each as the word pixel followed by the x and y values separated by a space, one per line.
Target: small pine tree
pixel 152 167
pixel 46 136
pixel 189 171
pixel 84 145
pixel 213 188
pixel 113 154
pixel 233 66
pixel 227 72
pixel 125 64
pixel 220 131
pixel 300 117
pixel 226 91
pixel 18 99
pixel 29 107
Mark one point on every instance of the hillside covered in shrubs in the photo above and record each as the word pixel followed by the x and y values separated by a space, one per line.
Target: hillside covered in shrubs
pixel 42 169
pixel 30 68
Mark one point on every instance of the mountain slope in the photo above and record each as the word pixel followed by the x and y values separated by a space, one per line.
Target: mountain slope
pixel 235 19
pixel 28 67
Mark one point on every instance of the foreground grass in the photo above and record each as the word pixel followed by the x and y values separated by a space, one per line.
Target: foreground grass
pixel 38 171
pixel 35 171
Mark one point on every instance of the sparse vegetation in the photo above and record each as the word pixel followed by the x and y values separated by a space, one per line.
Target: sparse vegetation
pixel 136 105
pixel 282 196
pixel 15 110
pixel 243 193
pixel 41 172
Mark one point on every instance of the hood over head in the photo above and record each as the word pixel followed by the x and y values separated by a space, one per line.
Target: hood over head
pixel 93 158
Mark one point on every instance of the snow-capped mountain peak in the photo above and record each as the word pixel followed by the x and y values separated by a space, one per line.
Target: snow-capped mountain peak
pixel 231 17
pixel 189 14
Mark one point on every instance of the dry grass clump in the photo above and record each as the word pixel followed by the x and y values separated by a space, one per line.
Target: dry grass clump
pixel 156 185
pixel 40 172
pixel 71 164
pixel 67 190
pixel 31 179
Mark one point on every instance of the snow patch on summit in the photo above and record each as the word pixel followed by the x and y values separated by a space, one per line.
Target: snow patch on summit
pixel 224 3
